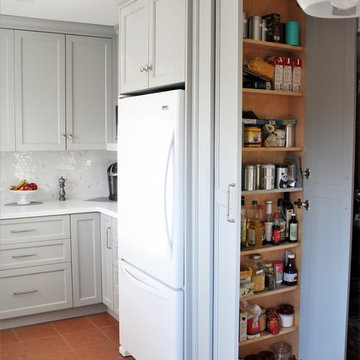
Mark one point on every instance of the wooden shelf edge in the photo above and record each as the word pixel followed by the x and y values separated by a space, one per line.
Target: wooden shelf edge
pixel 274 191
pixel 272 149
pixel 282 290
pixel 272 92
pixel 273 45
pixel 265 335
pixel 270 248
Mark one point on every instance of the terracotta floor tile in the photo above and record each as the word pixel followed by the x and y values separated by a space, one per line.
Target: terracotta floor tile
pixel 103 319
pixel 63 356
pixel 73 325
pixel 13 351
pixel 87 337
pixel 49 346
pixel 99 351
pixel 111 332
pixel 35 332
pixel 8 337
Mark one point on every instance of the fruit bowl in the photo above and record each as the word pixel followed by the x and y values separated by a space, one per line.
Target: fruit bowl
pixel 23 196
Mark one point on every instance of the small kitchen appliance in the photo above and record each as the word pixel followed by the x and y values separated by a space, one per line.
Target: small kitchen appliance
pixel 112 181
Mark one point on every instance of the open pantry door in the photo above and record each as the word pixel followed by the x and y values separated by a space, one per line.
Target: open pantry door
pixel 329 154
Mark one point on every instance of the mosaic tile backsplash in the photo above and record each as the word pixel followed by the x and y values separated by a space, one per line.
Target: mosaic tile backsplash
pixel 84 171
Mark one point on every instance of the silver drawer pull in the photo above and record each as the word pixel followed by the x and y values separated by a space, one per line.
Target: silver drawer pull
pixel 26 292
pixel 21 231
pixel 23 256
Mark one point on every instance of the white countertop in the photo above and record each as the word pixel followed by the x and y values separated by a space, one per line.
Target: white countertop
pixel 56 207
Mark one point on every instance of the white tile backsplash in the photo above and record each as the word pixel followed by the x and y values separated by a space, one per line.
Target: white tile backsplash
pixel 84 171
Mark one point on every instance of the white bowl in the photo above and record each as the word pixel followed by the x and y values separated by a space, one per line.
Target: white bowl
pixel 23 196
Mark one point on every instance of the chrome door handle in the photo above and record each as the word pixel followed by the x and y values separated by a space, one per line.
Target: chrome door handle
pixel 228 200
pixel 21 231
pixel 108 242
pixel 142 68
pixel 147 68
pixel 63 135
pixel 25 292
pixel 23 256
pixel 70 136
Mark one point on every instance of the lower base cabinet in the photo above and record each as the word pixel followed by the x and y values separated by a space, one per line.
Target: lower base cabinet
pixel 27 291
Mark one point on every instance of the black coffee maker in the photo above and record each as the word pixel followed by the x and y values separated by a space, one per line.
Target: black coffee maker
pixel 112 181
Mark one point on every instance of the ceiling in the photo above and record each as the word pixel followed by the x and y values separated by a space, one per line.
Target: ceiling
pixel 102 12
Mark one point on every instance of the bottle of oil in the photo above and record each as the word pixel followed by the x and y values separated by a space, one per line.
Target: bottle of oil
pixel 253 228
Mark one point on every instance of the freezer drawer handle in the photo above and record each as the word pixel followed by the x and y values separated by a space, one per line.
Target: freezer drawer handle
pixel 147 287
pixel 21 231
pixel 228 201
pixel 26 292
pixel 108 240
pixel 23 256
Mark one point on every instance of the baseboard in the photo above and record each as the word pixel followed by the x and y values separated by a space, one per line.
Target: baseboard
pixel 53 316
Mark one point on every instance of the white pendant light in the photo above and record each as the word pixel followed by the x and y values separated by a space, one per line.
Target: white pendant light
pixel 331 9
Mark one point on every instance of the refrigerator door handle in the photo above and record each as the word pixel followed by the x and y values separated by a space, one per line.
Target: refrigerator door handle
pixel 144 285
pixel 170 151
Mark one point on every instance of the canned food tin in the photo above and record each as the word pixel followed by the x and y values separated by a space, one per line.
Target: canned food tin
pixel 250 177
pixel 267 177
pixel 290 135
pixel 252 136
pixel 280 137
pixel 255 27
pixel 281 176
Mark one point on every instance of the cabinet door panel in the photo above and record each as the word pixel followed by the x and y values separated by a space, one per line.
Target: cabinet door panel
pixel 107 262
pixel 7 119
pixel 167 42
pixel 39 90
pixel 134 25
pixel 88 91
pixel 85 251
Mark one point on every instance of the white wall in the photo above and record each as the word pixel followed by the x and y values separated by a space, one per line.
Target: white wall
pixel 84 171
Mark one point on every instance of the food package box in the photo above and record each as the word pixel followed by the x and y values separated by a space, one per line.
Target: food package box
pixel 243 326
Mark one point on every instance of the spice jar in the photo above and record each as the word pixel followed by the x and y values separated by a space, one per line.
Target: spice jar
pixel 282 351
pixel 258 274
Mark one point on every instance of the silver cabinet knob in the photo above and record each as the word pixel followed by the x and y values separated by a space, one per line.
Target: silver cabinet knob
pixel 63 135
pixel 142 68
pixel 147 67
pixel 70 136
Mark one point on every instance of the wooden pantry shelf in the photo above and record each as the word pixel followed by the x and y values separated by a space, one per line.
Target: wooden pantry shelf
pixel 273 191
pixel 270 248
pixel 272 45
pixel 272 92
pixel 272 149
pixel 265 335
pixel 280 290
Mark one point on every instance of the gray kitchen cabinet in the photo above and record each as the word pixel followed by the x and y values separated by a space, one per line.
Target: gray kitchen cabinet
pixel 86 258
pixel 109 263
pixel 152 44
pixel 7 117
pixel 88 92
pixel 63 91
pixel 39 91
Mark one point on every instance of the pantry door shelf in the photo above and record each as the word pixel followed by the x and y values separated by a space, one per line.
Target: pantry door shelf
pixel 273 46
pixel 272 149
pixel 265 335
pixel 273 191
pixel 272 92
pixel 270 248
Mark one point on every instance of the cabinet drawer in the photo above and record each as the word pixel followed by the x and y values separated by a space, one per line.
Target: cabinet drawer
pixel 35 290
pixel 34 253
pixel 34 229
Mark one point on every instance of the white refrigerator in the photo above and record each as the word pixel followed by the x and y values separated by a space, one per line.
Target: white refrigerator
pixel 151 180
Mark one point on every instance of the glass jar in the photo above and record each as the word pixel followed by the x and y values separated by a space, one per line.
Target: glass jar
pixel 258 272
pixel 281 350
pixel 269 276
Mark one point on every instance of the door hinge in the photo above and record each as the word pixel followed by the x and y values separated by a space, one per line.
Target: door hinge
pixel 299 203
pixel 306 173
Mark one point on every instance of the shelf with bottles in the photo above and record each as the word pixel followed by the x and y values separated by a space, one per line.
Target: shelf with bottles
pixel 281 289
pixel 271 248
pixel 272 92
pixel 273 191
pixel 265 335
pixel 273 46
pixel 264 149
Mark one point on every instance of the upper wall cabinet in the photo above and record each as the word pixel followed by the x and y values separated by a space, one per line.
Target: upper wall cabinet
pixel 63 99
pixel 7 119
pixel 152 44
pixel 39 91
pixel 88 91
